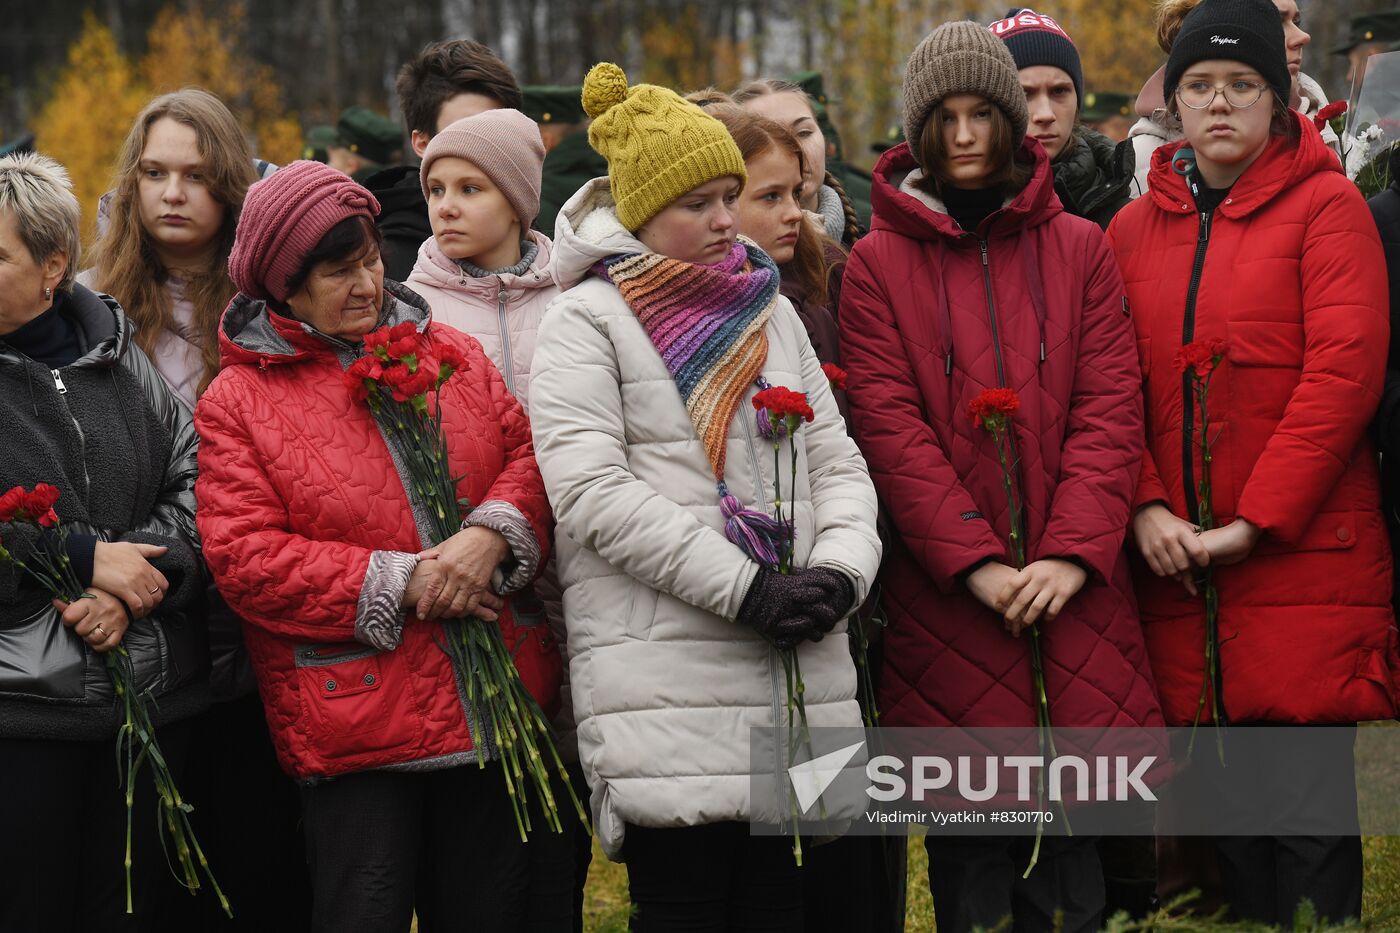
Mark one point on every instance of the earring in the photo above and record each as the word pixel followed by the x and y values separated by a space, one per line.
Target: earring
pixel 48 293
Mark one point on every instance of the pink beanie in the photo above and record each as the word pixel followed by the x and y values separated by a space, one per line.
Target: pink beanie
pixel 506 145
pixel 284 216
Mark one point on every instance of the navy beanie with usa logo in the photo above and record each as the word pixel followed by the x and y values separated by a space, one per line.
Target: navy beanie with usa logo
pixel 1036 39
pixel 1246 31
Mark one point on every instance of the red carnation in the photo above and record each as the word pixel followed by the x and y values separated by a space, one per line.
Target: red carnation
pixel 377 340
pixel 407 385
pixel 11 503
pixel 835 375
pixel 993 406
pixel 450 360
pixel 1326 114
pixel 39 504
pixel 782 402
pixel 362 374
pixel 406 329
pixel 1201 355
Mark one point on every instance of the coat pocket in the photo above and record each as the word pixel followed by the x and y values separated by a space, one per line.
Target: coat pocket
pixel 346 708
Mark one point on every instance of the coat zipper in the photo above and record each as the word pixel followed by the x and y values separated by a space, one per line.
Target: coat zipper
pixel 1188 333
pixel 996 352
pixel 506 357
pixel 82 438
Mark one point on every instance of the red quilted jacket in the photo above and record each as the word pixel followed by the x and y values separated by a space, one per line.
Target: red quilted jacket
pixel 928 320
pixel 1293 277
pixel 296 489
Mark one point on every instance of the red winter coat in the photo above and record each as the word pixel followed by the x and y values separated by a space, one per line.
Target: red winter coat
pixel 1294 279
pixel 920 342
pixel 296 489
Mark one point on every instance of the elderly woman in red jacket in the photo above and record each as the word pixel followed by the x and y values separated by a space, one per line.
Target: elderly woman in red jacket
pixel 974 277
pixel 1251 235
pixel 317 541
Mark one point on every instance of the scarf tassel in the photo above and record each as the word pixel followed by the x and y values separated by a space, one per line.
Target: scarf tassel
pixel 758 535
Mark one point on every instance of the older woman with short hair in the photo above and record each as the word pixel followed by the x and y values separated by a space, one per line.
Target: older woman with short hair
pixel 85 411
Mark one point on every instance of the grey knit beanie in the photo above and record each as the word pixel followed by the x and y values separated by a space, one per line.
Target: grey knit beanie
pixel 961 58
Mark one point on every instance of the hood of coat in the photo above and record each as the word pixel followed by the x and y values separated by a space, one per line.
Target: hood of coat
pixel 587 232
pixel 252 333
pixel 1094 169
pixel 436 270
pixel 105 329
pixel 1283 164
pixel 895 206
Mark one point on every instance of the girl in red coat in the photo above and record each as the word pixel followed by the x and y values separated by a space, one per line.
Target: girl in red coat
pixel 1250 234
pixel 972 277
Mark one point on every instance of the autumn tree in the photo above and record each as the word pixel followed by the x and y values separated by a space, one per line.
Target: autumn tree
pixel 89 112
pixel 187 48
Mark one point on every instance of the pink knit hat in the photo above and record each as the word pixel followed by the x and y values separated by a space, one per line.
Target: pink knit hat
pixel 284 216
pixel 506 145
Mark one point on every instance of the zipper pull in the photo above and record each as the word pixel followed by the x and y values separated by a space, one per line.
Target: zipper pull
pixel 983 244
pixel 58 382
pixel 1205 225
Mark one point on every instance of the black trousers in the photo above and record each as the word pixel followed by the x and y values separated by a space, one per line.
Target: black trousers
pixel 855 884
pixel 248 817
pixel 714 878
pixel 382 845
pixel 976 881
pixel 1263 878
pixel 581 840
pixel 63 837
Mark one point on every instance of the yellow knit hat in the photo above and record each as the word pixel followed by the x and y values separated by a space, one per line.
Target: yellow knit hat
pixel 658 145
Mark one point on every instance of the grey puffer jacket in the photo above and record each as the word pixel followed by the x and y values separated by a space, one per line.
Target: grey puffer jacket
pixel 120 446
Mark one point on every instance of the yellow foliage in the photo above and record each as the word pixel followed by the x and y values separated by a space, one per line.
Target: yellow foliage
pixel 1116 42
pixel 89 113
pixel 100 92
pixel 187 48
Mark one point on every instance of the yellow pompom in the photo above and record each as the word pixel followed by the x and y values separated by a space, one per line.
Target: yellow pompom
pixel 604 87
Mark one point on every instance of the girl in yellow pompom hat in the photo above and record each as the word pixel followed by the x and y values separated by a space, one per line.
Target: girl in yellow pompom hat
pixel 676 609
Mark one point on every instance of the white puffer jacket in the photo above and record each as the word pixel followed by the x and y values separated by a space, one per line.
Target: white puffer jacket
pixel 503 312
pixel 666 686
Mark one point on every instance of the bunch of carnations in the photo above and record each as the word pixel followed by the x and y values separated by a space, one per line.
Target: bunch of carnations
pixel 47 563
pixel 993 410
pixel 1198 362
pixel 401 376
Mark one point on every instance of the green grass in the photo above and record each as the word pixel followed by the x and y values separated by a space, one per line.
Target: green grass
pixel 606 904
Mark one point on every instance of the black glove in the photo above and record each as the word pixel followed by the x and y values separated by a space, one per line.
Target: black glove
pixel 836 603
pixel 778 606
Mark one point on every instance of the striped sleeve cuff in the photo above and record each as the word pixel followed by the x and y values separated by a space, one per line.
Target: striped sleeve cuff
pixel 524 562
pixel 379 616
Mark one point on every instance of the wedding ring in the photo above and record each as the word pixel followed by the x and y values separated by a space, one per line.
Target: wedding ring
pixel 99 628
pixel 155 591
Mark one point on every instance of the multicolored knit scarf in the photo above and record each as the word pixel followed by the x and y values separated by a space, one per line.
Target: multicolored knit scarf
pixel 707 322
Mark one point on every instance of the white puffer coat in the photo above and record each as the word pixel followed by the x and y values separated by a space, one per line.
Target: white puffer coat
pixel 666 686
pixel 503 312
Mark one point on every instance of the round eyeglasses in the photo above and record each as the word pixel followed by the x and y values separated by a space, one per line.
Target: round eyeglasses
pixel 1198 95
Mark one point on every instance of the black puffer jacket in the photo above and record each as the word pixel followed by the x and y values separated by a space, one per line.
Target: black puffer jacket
pixel 403 217
pixel 120 447
pixel 1094 178
pixel 1385 207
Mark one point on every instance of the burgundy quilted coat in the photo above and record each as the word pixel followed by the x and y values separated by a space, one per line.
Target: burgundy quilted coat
pixel 930 316
pixel 1292 275
pixel 296 489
